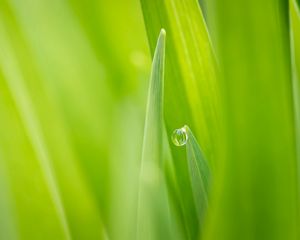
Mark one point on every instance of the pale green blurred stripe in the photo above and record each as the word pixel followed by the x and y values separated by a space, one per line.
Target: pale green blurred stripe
pixel 74 80
pixel 19 93
pixel 116 32
pixel 8 224
pixel 125 155
pixel 34 208
pixel 83 213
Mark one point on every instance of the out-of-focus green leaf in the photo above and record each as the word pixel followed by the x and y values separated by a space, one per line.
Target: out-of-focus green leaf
pixel 42 166
pixel 105 23
pixel 24 106
pixel 191 88
pixel 67 71
pixel 153 220
pixel 8 226
pixel 255 191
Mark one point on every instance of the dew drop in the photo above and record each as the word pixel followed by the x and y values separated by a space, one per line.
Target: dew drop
pixel 179 136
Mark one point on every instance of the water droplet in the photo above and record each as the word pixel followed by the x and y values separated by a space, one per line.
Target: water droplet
pixel 179 136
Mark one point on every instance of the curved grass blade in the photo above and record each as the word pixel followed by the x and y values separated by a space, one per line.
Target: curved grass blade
pixel 152 219
pixel 199 171
pixel 200 175
pixel 177 225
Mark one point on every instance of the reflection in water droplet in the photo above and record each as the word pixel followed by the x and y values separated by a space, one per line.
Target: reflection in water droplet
pixel 179 136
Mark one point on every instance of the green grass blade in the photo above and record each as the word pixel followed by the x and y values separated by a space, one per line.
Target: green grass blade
pixel 152 219
pixel 199 174
pixel 191 84
pixel 295 61
pixel 295 39
pixel 177 220
pixel 256 193
pixel 191 91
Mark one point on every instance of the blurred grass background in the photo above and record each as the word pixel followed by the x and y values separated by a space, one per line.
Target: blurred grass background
pixel 73 86
pixel 73 78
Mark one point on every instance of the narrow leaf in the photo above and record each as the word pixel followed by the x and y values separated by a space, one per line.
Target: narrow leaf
pixel 295 40
pixel 200 175
pixel 295 61
pixel 199 171
pixel 152 220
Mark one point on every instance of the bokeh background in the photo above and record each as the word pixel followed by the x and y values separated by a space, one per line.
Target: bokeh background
pixel 74 77
pixel 73 85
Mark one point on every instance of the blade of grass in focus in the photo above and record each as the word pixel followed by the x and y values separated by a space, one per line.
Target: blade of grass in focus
pixel 200 175
pixel 178 229
pixel 199 170
pixel 191 91
pixel 153 220
pixel 255 193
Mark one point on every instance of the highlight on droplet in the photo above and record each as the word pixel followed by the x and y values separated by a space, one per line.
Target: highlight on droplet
pixel 179 136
